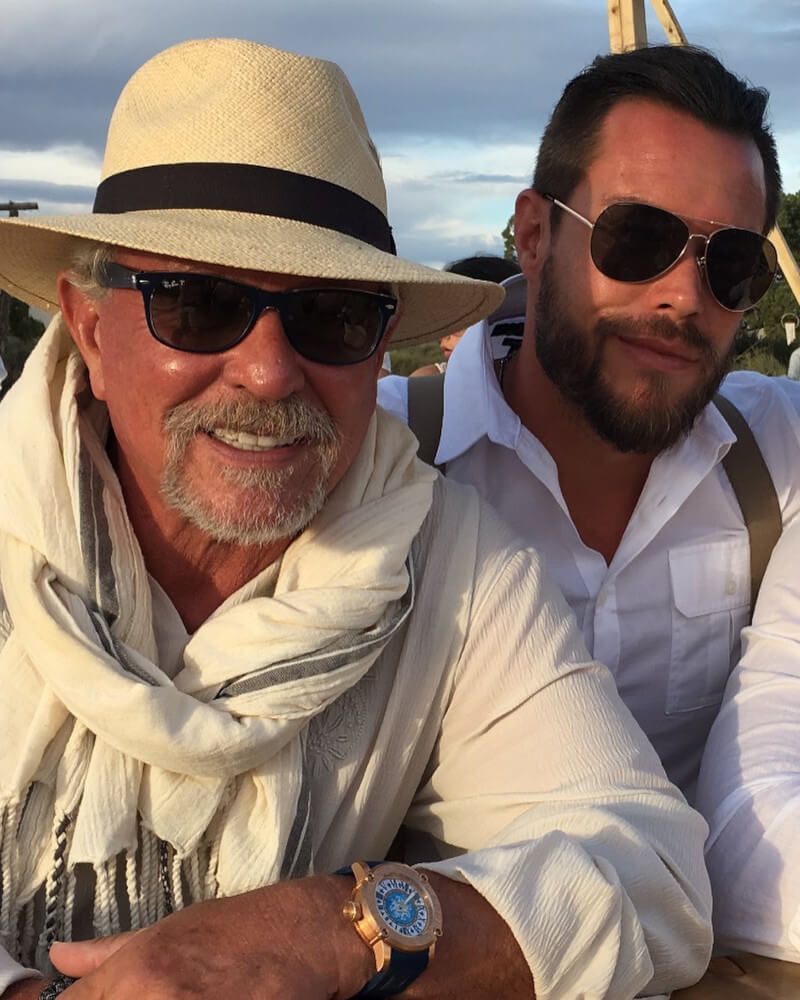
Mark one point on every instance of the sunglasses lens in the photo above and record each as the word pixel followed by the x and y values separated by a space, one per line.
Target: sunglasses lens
pixel 632 242
pixel 740 266
pixel 205 315
pixel 334 326
pixel 199 313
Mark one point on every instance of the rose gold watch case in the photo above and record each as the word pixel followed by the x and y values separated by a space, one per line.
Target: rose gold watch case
pixel 362 909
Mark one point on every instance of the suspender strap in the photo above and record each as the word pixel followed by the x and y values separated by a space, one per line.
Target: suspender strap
pixel 752 484
pixel 425 413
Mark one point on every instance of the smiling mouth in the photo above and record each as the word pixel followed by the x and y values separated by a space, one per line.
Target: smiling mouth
pixel 245 441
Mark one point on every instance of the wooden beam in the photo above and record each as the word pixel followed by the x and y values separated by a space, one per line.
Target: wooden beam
pixel 791 272
pixel 627 26
pixel 669 22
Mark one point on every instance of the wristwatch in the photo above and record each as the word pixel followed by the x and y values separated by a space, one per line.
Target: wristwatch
pixel 396 913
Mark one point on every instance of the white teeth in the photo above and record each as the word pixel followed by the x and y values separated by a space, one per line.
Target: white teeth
pixel 249 442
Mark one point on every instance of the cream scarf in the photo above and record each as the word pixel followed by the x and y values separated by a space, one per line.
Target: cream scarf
pixel 198 780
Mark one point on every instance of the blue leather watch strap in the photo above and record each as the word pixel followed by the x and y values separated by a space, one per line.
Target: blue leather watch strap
pixel 402 970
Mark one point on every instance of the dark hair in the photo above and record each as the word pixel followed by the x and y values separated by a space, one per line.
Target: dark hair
pixel 686 78
pixel 484 267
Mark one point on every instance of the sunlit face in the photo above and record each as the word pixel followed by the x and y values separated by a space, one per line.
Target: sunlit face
pixel 243 445
pixel 641 360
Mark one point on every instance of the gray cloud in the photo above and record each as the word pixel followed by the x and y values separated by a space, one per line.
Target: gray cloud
pixel 467 178
pixel 43 193
pixel 436 69
pixel 453 70
pixel 440 69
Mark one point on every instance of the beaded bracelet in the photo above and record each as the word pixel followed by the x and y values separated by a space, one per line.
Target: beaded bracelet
pixel 56 987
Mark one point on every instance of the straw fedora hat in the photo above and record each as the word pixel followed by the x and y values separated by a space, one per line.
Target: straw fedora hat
pixel 234 153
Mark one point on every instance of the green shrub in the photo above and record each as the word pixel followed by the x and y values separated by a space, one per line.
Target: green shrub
pixel 760 358
pixel 405 360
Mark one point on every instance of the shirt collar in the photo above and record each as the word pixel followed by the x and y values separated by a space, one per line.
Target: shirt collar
pixel 474 405
pixel 707 442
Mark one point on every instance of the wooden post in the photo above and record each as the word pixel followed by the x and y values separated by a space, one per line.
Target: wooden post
pixel 627 27
pixel 669 22
pixel 788 264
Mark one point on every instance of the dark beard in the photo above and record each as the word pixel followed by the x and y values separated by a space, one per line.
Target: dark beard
pixel 574 363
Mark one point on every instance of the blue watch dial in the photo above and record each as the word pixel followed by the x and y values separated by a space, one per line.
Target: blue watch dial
pixel 401 906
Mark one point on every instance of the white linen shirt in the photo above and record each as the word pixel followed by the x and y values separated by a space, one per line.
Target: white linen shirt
pixel 750 778
pixel 521 755
pixel 666 614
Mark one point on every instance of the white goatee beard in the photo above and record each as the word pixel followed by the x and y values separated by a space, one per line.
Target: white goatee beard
pixel 266 515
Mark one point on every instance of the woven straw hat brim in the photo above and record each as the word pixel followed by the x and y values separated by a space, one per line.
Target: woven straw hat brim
pixel 32 253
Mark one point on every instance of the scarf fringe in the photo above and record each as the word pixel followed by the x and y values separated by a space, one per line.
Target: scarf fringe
pixel 9 872
pixel 131 891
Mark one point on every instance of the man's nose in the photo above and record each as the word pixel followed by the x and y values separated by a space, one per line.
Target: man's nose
pixel 683 290
pixel 265 363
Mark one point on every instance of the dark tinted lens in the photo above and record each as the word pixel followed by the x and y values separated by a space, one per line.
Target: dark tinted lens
pixel 333 326
pixel 636 242
pixel 740 266
pixel 199 312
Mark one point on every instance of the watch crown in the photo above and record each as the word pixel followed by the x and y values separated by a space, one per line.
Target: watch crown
pixel 351 910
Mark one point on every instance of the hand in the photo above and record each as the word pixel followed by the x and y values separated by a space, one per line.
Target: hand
pixel 288 940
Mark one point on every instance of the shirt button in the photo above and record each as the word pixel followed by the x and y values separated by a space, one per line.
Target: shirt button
pixel 730 586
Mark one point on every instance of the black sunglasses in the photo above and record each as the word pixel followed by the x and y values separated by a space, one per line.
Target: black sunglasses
pixel 635 242
pixel 204 314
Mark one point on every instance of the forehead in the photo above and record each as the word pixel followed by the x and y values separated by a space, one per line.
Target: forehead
pixel 272 281
pixel 653 153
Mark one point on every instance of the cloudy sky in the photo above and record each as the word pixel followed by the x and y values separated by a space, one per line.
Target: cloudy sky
pixel 456 92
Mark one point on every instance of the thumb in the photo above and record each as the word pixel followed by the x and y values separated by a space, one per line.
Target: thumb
pixel 79 958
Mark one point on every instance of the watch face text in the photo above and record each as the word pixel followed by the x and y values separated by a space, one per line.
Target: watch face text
pixel 401 906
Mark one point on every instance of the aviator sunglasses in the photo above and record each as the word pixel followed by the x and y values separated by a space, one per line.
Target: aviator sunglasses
pixel 635 242
pixel 205 314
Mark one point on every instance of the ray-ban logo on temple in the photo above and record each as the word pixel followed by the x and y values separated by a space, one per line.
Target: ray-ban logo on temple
pixel 204 314
pixel 635 242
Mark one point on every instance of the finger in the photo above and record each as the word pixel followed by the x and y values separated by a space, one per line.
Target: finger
pixel 79 958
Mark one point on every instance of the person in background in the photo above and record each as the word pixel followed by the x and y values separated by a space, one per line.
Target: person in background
pixel 484 267
pixel 598 439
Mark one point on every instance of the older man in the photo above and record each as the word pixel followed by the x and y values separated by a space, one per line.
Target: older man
pixel 246 636
pixel 642 243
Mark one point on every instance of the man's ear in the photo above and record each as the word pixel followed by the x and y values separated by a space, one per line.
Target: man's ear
pixel 532 233
pixel 83 322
